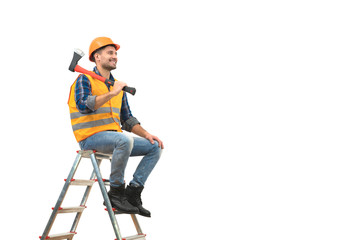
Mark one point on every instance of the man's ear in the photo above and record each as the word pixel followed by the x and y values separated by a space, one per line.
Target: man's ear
pixel 96 56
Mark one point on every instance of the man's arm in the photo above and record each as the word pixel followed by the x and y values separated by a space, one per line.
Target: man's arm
pixel 131 124
pixel 140 131
pixel 83 97
pixel 86 102
pixel 102 99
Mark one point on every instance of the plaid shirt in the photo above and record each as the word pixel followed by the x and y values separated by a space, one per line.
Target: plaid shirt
pixel 85 101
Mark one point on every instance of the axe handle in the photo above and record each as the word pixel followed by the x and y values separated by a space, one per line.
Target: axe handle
pixel 79 69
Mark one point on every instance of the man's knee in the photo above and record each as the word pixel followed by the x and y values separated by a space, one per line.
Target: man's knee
pixel 156 148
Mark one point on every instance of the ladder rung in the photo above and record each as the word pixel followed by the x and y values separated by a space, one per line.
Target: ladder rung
pixel 82 182
pixel 71 209
pixel 106 182
pixel 139 236
pixel 99 155
pixel 61 236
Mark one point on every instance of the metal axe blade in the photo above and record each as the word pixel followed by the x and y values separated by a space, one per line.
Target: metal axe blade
pixel 79 51
pixel 78 54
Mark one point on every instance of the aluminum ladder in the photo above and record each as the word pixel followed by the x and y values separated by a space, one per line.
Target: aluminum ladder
pixel 96 158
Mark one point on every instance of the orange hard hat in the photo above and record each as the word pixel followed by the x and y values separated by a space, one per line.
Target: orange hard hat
pixel 99 43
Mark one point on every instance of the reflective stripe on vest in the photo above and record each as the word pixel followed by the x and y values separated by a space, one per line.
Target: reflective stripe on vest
pixel 105 118
pixel 95 123
pixel 100 110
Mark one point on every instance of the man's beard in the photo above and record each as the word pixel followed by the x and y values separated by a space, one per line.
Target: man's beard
pixel 108 67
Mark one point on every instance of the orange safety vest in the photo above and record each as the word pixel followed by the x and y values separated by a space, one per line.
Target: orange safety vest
pixel 107 117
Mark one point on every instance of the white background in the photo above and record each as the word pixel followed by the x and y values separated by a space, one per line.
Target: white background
pixel 257 103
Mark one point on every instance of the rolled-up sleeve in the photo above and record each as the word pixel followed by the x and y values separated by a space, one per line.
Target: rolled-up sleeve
pixel 128 121
pixel 85 101
pixel 129 124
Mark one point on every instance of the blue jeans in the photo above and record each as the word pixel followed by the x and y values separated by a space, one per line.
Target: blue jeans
pixel 122 147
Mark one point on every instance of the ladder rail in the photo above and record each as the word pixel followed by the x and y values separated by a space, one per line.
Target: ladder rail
pixel 88 189
pixel 61 197
pixel 84 200
pixel 106 197
pixel 136 223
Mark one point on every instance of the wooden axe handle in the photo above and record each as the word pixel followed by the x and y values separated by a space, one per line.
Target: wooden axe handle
pixel 79 69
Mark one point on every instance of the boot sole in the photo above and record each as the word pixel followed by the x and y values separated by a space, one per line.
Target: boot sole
pixel 117 211
pixel 120 211
pixel 149 216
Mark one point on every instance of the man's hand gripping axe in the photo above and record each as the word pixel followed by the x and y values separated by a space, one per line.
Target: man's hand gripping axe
pixel 74 67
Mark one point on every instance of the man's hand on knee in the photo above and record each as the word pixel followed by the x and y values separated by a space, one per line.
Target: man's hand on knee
pixel 151 138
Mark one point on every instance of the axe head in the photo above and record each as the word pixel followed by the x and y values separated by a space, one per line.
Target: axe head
pixel 78 54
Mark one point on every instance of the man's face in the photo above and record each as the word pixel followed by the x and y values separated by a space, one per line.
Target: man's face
pixel 107 58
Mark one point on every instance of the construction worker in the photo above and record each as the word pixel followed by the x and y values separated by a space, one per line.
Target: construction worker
pixel 97 110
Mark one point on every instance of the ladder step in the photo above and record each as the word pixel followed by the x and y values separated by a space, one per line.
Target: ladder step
pixel 71 209
pixel 98 155
pixel 61 236
pixel 139 236
pixel 106 181
pixel 81 182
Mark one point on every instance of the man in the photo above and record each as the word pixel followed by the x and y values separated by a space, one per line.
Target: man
pixel 96 111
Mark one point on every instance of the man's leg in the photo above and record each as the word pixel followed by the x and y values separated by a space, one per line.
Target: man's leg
pixel 151 153
pixel 116 143
pixel 120 146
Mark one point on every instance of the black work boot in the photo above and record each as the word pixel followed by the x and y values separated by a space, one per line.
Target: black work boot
pixel 119 202
pixel 133 195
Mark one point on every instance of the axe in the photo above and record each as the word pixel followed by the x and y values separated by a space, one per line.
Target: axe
pixel 74 67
